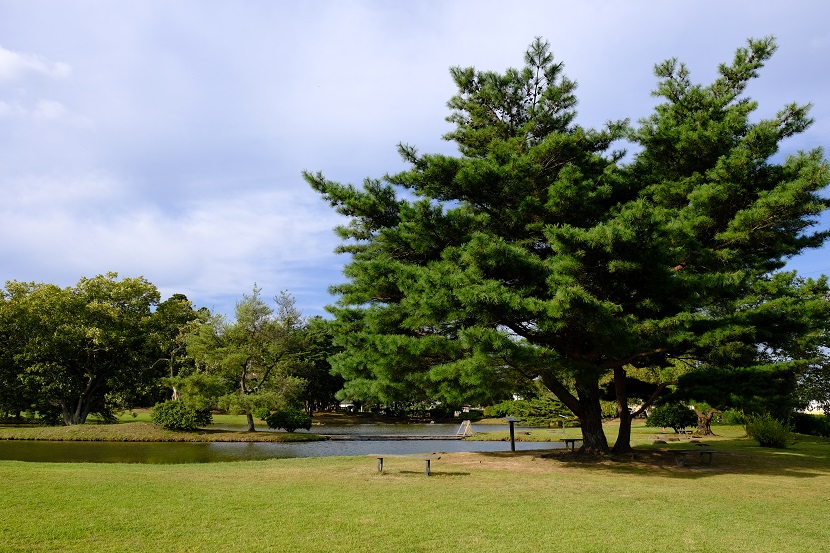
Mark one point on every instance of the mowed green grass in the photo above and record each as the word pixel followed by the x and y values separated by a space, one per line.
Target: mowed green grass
pixel 750 499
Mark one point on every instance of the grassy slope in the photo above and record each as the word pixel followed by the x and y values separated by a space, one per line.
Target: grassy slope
pixel 750 499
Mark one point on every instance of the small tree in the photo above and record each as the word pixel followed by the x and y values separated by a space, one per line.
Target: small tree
pixel 673 415
pixel 253 357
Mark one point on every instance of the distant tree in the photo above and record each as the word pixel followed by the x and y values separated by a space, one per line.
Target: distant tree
pixel 82 349
pixel 317 337
pixel 540 252
pixel 813 383
pixel 813 387
pixel 172 320
pixel 253 357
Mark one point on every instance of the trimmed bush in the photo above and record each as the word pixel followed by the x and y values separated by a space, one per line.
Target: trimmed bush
pixel 289 419
pixel 673 415
pixel 175 415
pixel 768 431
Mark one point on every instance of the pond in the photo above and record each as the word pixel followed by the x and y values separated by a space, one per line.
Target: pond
pixel 174 452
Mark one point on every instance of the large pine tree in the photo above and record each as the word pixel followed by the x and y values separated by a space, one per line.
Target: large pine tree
pixel 540 253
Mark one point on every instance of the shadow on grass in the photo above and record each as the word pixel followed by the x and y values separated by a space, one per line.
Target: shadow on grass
pixel 433 473
pixel 808 458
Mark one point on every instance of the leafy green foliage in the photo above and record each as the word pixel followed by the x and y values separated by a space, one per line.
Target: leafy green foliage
pixel 768 388
pixel 317 345
pixel 539 411
pixel 812 424
pixel 471 415
pixel 175 415
pixel 247 365
pixel 731 416
pixel 672 415
pixel 289 419
pixel 768 431
pixel 171 320
pixel 539 253
pixel 83 348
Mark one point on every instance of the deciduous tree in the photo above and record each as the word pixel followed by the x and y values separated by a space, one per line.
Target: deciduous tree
pixel 82 349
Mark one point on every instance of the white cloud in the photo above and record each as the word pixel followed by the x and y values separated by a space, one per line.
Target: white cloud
pixel 16 66
pixel 48 109
pixel 175 148
pixel 11 110
pixel 211 248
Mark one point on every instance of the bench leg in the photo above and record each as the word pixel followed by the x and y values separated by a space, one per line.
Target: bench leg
pixel 380 464
pixel 680 459
pixel 427 461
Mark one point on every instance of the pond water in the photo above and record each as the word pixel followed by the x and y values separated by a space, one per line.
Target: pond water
pixel 174 452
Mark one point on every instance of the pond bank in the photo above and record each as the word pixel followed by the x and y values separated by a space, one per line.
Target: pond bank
pixel 144 432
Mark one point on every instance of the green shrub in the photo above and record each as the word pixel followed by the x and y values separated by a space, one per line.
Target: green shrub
pixel 472 415
pixel 175 415
pixel 812 424
pixel 289 419
pixel 768 431
pixel 673 415
pixel 731 417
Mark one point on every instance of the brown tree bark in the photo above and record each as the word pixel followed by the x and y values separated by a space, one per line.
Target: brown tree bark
pixel 586 408
pixel 623 443
pixel 704 422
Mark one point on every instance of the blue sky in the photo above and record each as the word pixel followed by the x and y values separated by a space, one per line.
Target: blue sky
pixel 166 139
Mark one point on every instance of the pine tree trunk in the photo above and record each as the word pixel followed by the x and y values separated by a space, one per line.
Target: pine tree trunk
pixel 587 409
pixel 593 437
pixel 251 423
pixel 623 443
pixel 594 441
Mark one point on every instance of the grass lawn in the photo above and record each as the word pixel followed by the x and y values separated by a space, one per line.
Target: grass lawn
pixel 750 499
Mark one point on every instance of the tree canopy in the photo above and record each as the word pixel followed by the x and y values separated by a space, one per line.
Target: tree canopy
pixel 77 350
pixel 246 365
pixel 540 252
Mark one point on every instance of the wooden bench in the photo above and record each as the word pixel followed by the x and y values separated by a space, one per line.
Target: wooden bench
pixel 680 455
pixel 571 441
pixel 426 458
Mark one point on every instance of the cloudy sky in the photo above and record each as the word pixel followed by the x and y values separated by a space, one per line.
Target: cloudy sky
pixel 166 139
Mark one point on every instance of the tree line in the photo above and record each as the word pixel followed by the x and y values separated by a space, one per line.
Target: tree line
pixel 109 344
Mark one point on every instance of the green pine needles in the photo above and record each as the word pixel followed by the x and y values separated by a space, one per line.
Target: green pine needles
pixel 542 253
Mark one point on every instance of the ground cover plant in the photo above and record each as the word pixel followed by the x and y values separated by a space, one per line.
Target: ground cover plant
pixel 749 499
